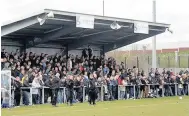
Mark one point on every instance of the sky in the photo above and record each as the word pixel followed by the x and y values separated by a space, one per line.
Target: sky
pixel 174 12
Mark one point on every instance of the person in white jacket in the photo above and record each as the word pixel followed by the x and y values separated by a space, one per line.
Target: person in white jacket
pixel 35 90
pixel 123 88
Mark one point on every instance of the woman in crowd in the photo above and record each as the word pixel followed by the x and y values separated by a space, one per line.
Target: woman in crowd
pixel 36 91
pixel 123 88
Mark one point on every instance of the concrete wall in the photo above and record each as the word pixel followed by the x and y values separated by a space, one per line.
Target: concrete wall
pixel 46 49
pixel 11 46
pixel 10 49
pixel 79 52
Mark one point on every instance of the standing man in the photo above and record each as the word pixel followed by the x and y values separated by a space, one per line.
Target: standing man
pixel 90 52
pixel 85 53
pixel 92 90
pixel 70 88
pixel 54 87
pixel 17 94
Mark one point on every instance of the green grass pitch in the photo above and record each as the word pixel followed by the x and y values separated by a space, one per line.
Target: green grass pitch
pixel 167 106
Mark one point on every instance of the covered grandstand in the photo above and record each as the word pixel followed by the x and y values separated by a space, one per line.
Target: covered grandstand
pixel 64 31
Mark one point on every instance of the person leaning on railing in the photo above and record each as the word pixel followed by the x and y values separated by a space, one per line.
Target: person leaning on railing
pixel 144 87
pixel 36 90
pixel 185 83
pixel 131 83
pixel 138 85
pixel 161 85
pixel 123 88
pixel 55 80
pixel 62 83
pixel 168 85
pixel 17 87
pixel 180 84
pixel 70 89
pixel 25 92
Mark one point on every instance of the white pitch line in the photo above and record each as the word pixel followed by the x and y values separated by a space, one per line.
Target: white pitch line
pixel 38 114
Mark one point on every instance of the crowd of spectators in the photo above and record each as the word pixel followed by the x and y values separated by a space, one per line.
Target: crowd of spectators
pixel 30 69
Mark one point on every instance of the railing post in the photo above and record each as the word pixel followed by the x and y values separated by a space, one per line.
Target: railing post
pixel 64 94
pixel 188 89
pixel 30 95
pixel 139 93
pixel 102 95
pixel 134 92
pixel 43 95
pixel 83 93
pixel 118 92
pixel 175 89
pixel 163 90
pixel 21 99
pixel 188 61
pixel 149 88
pixel 11 101
pixel 157 88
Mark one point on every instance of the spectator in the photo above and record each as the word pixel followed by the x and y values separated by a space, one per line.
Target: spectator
pixel 25 92
pixel 123 87
pixel 36 90
pixel 180 85
pixel 105 70
pixel 185 81
pixel 17 94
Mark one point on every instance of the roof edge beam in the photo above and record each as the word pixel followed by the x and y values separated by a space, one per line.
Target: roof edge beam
pixel 7 29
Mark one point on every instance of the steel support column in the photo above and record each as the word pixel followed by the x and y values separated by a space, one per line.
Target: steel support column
pixel 154 61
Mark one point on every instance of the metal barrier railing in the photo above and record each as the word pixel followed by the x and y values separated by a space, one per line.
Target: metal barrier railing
pixel 165 89
pixel 134 91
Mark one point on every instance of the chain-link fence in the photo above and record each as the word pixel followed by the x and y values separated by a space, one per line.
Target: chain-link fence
pixel 162 62
pixel 143 59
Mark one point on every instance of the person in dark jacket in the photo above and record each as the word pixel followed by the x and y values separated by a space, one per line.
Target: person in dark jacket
pixel 90 52
pixel 47 91
pixel 84 53
pixel 92 90
pixel 70 89
pixel 17 94
pixel 55 80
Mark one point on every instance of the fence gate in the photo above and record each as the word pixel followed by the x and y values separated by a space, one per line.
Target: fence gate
pixel 6 88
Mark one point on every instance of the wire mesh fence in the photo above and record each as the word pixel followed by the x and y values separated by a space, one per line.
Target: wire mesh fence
pixel 145 62
pixel 143 58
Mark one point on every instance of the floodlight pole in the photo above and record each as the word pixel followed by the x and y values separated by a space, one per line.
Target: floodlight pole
pixel 103 7
pixel 154 63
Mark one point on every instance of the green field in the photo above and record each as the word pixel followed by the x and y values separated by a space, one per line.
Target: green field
pixel 170 106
